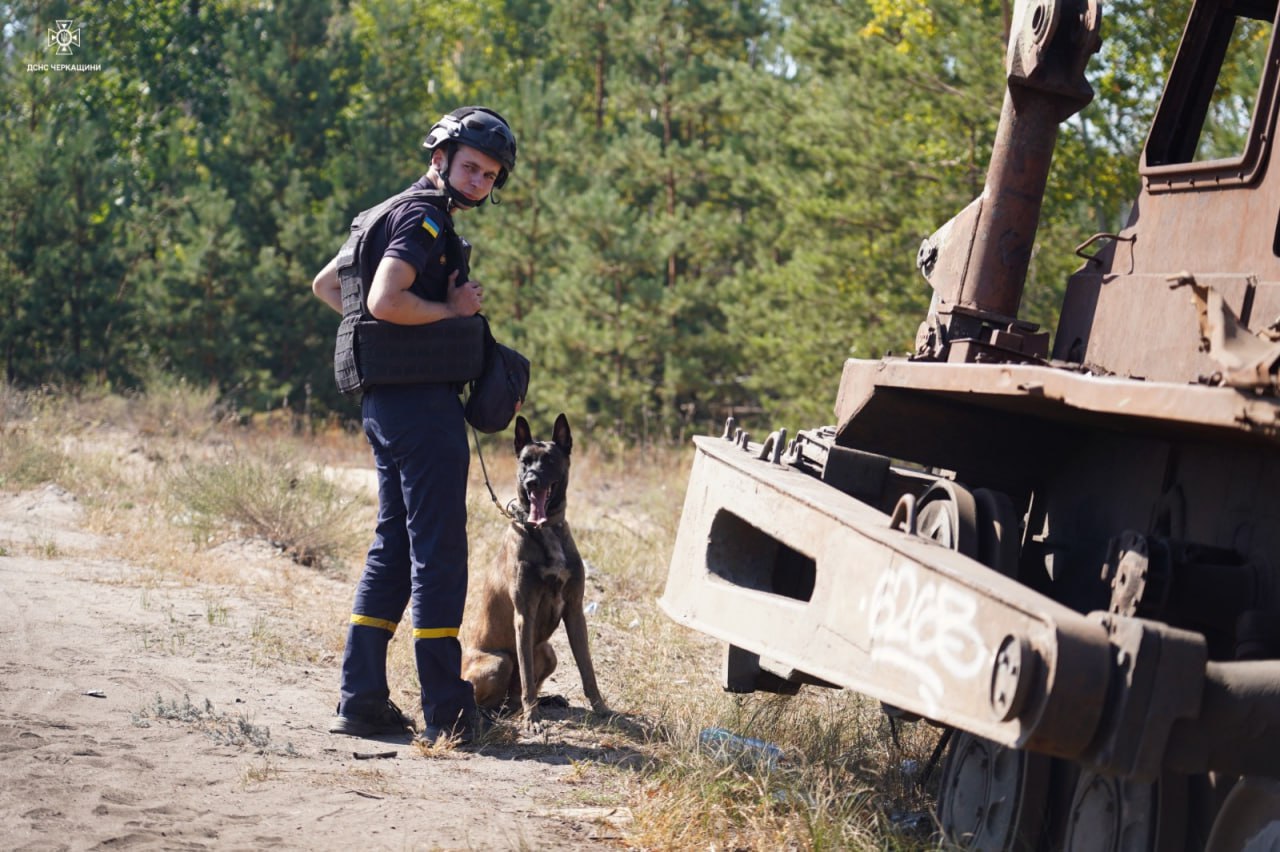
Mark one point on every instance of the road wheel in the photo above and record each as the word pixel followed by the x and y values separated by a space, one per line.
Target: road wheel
pixel 1110 814
pixel 1250 818
pixel 992 797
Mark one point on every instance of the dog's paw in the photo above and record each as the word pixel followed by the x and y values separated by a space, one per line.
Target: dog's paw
pixel 534 724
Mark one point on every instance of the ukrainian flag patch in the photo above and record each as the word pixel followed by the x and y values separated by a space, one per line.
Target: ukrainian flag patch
pixel 430 226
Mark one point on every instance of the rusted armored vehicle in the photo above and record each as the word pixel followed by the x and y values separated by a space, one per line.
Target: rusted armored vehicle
pixel 1066 551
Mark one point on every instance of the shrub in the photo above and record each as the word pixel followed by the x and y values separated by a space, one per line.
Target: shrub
pixel 268 497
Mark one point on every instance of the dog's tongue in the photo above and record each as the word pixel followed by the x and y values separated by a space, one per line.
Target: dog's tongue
pixel 538 506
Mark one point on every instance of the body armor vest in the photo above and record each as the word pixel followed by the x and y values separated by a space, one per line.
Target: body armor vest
pixel 373 352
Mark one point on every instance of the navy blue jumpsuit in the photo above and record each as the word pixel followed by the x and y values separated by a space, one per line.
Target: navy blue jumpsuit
pixel 419 550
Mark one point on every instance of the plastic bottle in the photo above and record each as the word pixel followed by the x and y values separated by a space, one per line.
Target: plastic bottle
pixel 727 746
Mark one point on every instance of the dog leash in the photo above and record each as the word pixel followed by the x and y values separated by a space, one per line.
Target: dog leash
pixel 506 512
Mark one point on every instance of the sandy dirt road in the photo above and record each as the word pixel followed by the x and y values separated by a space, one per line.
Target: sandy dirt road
pixel 139 714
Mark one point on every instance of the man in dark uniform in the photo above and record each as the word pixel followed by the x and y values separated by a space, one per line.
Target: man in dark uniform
pixel 411 266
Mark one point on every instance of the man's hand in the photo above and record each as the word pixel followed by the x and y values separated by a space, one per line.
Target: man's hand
pixel 390 299
pixel 464 299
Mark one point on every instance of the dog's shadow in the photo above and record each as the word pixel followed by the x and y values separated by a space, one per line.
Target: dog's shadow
pixel 571 735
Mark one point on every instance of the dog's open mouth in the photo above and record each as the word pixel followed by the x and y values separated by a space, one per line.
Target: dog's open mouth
pixel 538 505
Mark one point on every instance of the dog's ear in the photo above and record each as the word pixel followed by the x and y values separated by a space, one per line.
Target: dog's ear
pixel 561 434
pixel 523 436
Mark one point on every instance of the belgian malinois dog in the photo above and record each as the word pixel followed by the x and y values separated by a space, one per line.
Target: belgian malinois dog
pixel 537 581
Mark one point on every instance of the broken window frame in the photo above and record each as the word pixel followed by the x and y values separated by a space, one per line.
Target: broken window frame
pixel 1168 160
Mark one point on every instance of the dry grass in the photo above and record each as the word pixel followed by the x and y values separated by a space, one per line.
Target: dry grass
pixel 223 728
pixel 27 456
pixel 184 490
pixel 271 497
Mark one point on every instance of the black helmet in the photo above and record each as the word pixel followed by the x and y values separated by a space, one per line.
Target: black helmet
pixel 480 128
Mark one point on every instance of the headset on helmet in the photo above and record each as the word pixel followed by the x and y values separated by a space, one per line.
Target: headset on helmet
pixel 480 128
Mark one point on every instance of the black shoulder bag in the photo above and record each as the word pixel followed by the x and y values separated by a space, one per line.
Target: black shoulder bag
pixel 501 386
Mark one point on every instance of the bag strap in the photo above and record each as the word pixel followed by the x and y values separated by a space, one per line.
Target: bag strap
pixel 490 343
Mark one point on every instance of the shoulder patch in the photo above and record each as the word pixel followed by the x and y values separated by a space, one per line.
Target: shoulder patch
pixel 429 225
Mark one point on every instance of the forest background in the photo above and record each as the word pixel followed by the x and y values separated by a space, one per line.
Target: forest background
pixel 715 202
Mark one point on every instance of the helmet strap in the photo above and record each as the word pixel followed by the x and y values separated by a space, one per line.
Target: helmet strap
pixel 456 198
